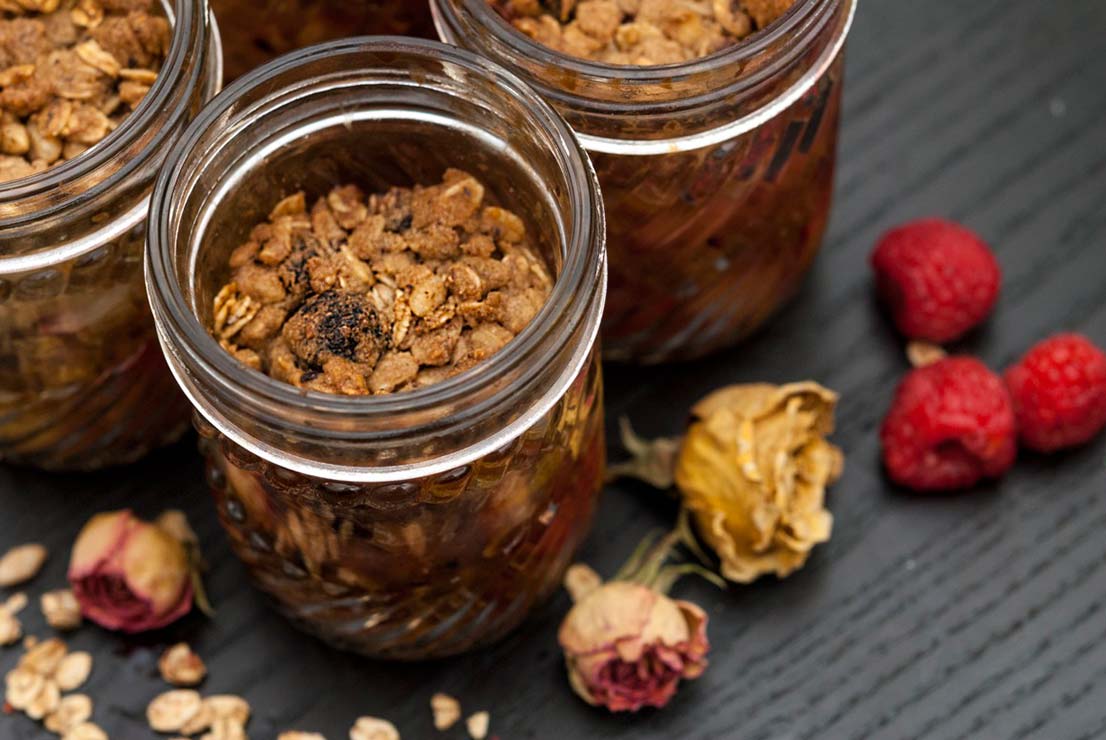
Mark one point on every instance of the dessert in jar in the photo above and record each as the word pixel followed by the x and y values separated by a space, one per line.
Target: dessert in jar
pixel 712 125
pixel 93 93
pixel 378 274
pixel 258 31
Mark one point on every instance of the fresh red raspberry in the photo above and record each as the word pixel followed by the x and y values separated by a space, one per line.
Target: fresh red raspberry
pixel 939 279
pixel 951 425
pixel 1059 393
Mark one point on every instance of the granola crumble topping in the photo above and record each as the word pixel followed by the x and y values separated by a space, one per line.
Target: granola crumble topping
pixel 368 296
pixel 640 32
pixel 70 72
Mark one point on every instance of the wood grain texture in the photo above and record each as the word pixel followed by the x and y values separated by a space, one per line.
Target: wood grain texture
pixel 974 616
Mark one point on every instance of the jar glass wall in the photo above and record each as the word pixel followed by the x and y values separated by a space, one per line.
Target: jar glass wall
pixel 258 31
pixel 717 173
pixel 425 522
pixel 82 381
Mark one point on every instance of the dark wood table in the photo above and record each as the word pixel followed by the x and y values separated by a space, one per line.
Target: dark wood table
pixel 980 615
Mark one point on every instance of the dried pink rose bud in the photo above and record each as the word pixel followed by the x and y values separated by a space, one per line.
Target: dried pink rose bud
pixel 627 646
pixel 129 575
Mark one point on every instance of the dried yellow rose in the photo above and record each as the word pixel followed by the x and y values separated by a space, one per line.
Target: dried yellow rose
pixel 753 471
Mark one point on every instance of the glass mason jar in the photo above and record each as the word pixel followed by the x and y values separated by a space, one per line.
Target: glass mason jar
pixel 420 523
pixel 82 381
pixel 717 173
pixel 258 31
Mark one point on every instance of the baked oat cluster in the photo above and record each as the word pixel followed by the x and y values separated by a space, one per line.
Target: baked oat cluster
pixel 374 295
pixel 640 32
pixel 70 72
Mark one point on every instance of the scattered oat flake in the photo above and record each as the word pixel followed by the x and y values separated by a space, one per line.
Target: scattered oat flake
pixel 46 702
pixel 22 687
pixel 182 667
pixel 373 728
pixel 10 628
pixel 477 725
pixel 21 564
pixel 299 735
pixel 170 711
pixel 16 603
pixel 226 728
pixel 44 657
pixel 73 670
pixel 228 706
pixel 71 711
pixel 86 731
pixel 61 610
pixel 923 354
pixel 446 709
pixel 202 721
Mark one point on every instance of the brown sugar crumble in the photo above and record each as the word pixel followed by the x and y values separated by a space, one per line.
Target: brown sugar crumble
pixel 640 32
pixel 70 72
pixel 376 295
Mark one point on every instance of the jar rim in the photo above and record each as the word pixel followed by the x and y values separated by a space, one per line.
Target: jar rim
pixel 191 348
pixel 193 27
pixel 516 46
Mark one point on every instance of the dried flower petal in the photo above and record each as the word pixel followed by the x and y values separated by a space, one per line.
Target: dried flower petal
pixel 477 725
pixel 21 564
pixel 170 711
pixel 175 523
pixel 653 461
pixel 446 709
pixel 61 610
pixel 753 472
pixel 182 667
pixel 580 581
pixel 73 670
pixel 373 728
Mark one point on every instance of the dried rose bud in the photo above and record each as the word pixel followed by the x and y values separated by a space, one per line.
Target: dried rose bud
pixel 129 575
pixel 627 646
pixel 753 472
